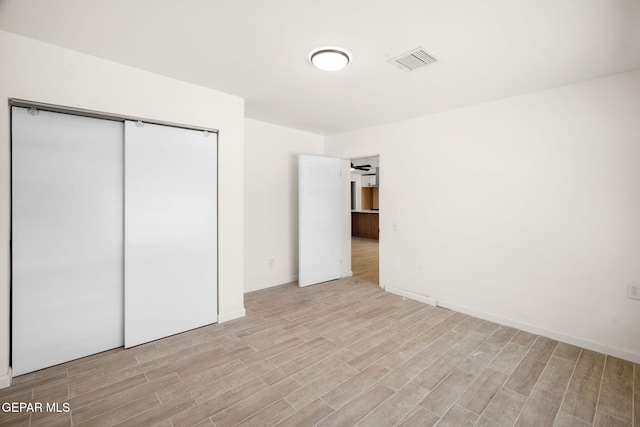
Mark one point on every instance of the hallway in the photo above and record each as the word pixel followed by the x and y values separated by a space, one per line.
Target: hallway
pixel 364 259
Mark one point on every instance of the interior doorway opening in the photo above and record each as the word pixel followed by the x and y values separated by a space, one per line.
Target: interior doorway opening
pixel 365 210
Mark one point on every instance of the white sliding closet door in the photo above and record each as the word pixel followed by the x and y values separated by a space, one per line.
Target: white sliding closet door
pixel 170 231
pixel 67 290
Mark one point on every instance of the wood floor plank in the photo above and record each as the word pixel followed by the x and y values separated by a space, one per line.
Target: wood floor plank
pixel 395 407
pixel 371 340
pixel 294 366
pixel 542 349
pixel 401 376
pixel 616 367
pixel 272 351
pixel 503 411
pixel 458 416
pixel 482 391
pixel 19 421
pixel 206 361
pixel 297 351
pixel 502 336
pixel 160 413
pixel 174 361
pixel 525 376
pixel 419 417
pixel 434 373
pixel 354 386
pixel 480 358
pixel 400 354
pixel 351 333
pixel 57 396
pixel 317 370
pixel 565 420
pixel 59 377
pixel 269 416
pixel 556 375
pixel 437 324
pixel 447 392
pixel 567 352
pixel 322 385
pixel 445 343
pixel 524 338
pixel 8 398
pixel 256 402
pixel 465 347
pixel 616 396
pixel 115 400
pixel 606 420
pixel 358 408
pixel 636 404
pixel 308 415
pixel 488 327
pixel 540 410
pixel 509 358
pixel 58 420
pixel 122 413
pixel 590 364
pixel 204 392
pixel 471 324
pixel 212 406
pixel 581 398
pixel 110 361
pixel 373 354
pixel 106 391
pixel 79 388
pixel 196 382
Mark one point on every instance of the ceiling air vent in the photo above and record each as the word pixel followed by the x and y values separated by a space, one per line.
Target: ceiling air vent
pixel 412 60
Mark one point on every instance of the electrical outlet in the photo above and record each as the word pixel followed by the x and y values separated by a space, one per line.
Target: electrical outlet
pixel 271 263
pixel 633 290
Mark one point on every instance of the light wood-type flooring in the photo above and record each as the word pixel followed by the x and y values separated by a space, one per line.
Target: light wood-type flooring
pixel 365 259
pixel 341 353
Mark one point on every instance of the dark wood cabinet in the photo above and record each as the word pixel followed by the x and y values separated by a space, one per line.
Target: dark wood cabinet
pixel 364 225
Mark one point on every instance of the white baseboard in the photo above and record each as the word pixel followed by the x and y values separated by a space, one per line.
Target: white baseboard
pixel 559 336
pixel 270 284
pixel 231 316
pixel 5 380
pixel 411 295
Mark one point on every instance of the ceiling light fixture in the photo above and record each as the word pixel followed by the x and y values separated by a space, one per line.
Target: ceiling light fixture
pixel 330 58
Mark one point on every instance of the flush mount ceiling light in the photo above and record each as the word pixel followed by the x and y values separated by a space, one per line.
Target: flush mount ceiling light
pixel 330 58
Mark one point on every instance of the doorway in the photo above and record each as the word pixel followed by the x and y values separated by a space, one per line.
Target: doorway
pixel 365 236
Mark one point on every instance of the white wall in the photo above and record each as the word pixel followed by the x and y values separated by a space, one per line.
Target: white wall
pixel 357 178
pixel 41 72
pixel 524 210
pixel 271 201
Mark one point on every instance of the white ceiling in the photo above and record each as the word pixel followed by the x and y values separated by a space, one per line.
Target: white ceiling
pixel 258 49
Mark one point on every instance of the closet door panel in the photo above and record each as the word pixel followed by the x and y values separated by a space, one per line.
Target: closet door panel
pixel 170 231
pixel 67 222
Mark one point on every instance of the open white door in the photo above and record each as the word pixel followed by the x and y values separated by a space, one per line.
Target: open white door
pixel 319 219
